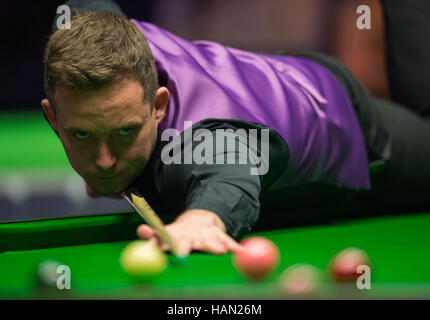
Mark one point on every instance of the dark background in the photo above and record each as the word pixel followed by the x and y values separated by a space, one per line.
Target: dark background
pixel 25 27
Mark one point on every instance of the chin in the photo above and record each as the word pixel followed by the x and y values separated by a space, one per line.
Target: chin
pixel 112 193
pixel 108 191
pixel 109 187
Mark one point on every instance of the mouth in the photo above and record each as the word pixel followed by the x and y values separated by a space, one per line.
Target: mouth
pixel 108 177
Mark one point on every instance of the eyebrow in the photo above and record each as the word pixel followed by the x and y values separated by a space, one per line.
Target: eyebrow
pixel 132 124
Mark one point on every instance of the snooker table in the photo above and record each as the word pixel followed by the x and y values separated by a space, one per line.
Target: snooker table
pixel 91 246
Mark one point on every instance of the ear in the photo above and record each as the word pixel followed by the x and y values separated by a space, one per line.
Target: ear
pixel 49 113
pixel 160 105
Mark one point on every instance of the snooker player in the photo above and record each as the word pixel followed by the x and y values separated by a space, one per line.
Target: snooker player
pixel 114 87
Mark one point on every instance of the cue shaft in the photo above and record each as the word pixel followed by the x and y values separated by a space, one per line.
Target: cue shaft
pixel 143 208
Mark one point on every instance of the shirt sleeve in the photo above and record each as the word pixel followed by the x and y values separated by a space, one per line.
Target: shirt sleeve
pixel 229 189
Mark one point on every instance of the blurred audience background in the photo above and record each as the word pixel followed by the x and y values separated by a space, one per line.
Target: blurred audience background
pixel 258 25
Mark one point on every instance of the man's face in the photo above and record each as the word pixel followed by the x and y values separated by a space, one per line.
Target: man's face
pixel 108 135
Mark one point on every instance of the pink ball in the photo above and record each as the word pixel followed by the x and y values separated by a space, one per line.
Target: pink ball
pixel 259 257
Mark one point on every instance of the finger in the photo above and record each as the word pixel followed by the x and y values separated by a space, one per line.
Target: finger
pixel 156 240
pixel 184 247
pixel 145 232
pixel 231 244
pixel 197 244
pixel 214 245
pixel 153 241
pixel 163 245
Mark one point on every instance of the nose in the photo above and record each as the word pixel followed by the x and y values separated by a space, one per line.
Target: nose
pixel 105 159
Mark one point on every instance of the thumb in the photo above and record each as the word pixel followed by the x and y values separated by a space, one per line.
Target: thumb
pixel 145 232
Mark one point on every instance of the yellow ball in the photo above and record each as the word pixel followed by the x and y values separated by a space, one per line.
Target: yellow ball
pixel 143 258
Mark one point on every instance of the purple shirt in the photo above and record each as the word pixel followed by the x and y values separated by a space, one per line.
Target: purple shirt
pixel 297 97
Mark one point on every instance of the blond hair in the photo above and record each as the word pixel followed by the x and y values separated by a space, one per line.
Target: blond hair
pixel 101 48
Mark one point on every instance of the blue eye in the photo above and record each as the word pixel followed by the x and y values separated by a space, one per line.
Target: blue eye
pixel 82 135
pixel 125 131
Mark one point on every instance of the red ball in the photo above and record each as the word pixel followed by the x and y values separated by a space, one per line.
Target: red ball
pixel 299 279
pixel 344 265
pixel 259 257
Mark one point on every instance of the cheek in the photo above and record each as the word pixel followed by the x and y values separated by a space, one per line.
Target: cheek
pixel 143 146
pixel 77 158
pixel 140 151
